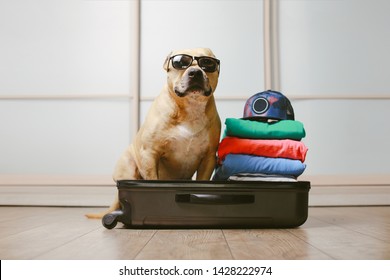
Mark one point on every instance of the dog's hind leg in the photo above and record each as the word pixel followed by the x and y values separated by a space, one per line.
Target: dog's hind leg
pixel 126 169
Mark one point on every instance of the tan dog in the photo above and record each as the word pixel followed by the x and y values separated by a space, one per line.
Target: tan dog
pixel 181 132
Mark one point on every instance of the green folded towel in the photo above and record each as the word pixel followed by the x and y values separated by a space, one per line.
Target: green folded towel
pixel 284 129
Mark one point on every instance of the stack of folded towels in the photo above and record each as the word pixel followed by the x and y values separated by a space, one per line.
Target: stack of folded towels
pixel 265 145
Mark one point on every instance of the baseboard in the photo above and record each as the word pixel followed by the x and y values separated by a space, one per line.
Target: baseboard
pixel 96 191
pixel 56 190
pixel 81 196
pixel 349 195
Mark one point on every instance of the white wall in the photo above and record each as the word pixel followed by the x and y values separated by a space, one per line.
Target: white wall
pixel 346 137
pixel 64 47
pixel 339 49
pixel 333 48
pixel 63 65
pixel 62 137
pixel 66 73
pixel 65 76
pixel 232 29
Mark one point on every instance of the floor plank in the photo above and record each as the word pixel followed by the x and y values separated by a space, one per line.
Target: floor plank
pixel 341 240
pixel 373 221
pixel 186 245
pixel 64 233
pixel 18 219
pixel 102 244
pixel 271 244
pixel 36 238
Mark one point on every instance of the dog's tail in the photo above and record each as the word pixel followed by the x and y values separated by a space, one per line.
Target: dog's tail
pixel 113 207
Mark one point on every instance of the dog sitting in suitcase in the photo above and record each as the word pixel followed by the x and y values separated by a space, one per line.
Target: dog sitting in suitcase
pixel 181 132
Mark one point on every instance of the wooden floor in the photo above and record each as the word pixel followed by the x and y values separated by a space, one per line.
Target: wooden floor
pixel 64 233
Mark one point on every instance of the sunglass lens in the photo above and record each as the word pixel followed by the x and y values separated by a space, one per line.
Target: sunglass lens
pixel 207 64
pixel 181 61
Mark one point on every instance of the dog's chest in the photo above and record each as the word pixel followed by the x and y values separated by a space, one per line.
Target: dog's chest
pixel 187 142
pixel 184 131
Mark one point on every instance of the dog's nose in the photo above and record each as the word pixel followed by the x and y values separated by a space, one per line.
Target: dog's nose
pixel 195 73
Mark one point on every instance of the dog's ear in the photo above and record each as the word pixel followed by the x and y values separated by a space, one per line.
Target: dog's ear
pixel 209 52
pixel 166 63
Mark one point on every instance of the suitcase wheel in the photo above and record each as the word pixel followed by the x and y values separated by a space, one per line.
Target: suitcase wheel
pixel 110 220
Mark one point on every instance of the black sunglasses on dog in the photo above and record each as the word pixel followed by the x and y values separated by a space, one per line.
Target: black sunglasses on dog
pixel 183 61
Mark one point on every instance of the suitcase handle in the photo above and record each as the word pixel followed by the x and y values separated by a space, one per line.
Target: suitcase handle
pixel 215 198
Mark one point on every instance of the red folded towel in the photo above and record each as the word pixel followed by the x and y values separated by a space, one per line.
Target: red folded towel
pixel 285 148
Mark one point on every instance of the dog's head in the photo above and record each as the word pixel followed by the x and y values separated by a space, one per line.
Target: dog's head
pixel 192 72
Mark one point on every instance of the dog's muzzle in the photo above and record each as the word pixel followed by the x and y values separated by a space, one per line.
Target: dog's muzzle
pixel 193 81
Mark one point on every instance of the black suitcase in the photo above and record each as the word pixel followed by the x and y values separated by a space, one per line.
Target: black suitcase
pixel 210 204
